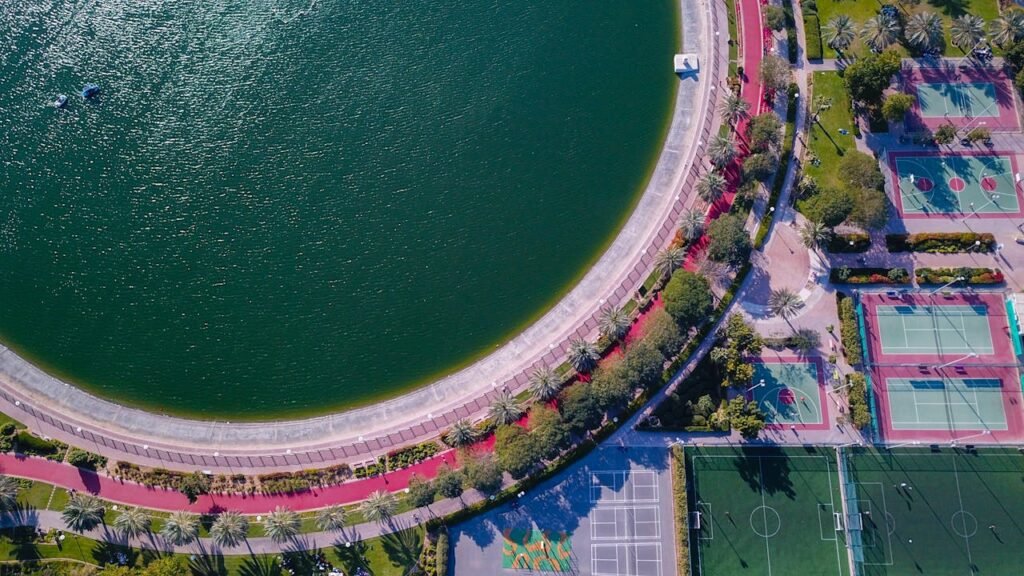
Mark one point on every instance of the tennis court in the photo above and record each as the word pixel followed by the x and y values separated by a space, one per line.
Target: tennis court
pixel 961 93
pixel 940 511
pixel 940 402
pixel 934 330
pixel 976 185
pixel 790 392
pixel 766 511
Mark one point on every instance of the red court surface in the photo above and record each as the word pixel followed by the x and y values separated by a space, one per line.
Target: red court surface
pixel 796 391
pixel 1003 117
pixel 943 395
pixel 897 423
pixel 998 326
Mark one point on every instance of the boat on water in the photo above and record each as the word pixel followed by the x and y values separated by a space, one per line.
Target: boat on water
pixel 90 90
pixel 61 101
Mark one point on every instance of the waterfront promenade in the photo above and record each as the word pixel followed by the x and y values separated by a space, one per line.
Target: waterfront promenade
pixel 59 410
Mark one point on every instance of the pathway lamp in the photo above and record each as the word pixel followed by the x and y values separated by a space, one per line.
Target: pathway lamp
pixel 951 362
pixel 947 285
pixel 955 441
pixel 760 384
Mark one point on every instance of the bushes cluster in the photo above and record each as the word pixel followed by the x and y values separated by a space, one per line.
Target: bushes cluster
pixel 859 199
pixel 941 242
pixel 847 275
pixel 848 330
pixel 857 396
pixel 25 443
pixel 83 459
pixel 947 275
pixel 405 457
pixel 855 242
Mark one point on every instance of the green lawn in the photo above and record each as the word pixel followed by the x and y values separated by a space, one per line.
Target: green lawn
pixel 4 419
pixel 825 141
pixel 389 555
pixel 861 10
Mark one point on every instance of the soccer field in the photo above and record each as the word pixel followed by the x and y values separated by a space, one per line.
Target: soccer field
pixel 940 512
pixel 766 511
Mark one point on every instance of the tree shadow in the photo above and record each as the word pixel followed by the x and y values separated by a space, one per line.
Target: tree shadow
pixel 352 555
pixel 114 553
pixel 403 548
pixel 951 8
pixel 260 566
pixel 207 565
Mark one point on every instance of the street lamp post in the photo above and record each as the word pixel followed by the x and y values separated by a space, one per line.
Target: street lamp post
pixel 951 362
pixel 758 385
pixel 953 443
pixel 947 285
pixel 904 444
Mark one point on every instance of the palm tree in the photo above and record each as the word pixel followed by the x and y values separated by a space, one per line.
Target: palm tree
pixel 721 151
pixel 331 519
pixel 544 384
pixel 924 31
pixel 711 187
pixel 667 260
pixel 733 108
pixel 9 489
pixel 691 224
pixel 784 302
pixel 229 529
pixel 967 31
pixel 461 433
pixel 83 512
pixel 839 32
pixel 814 234
pixel 379 507
pixel 180 528
pixel 505 409
pixel 281 525
pixel 614 322
pixel 880 32
pixel 1009 27
pixel 132 522
pixel 583 355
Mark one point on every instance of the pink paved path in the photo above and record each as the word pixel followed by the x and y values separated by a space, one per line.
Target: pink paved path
pixel 134 494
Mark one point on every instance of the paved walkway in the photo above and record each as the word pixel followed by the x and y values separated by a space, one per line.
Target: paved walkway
pixel 57 409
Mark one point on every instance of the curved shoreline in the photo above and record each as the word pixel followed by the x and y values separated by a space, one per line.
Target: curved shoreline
pixel 58 409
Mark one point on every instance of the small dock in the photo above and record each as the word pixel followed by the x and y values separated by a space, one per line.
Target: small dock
pixel 686 64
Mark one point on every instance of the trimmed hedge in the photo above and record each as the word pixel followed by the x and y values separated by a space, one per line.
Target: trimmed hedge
pixel 26 443
pixel 857 396
pixel 947 275
pixel 442 554
pixel 941 242
pixel 682 510
pixel 849 333
pixel 783 166
pixel 812 30
pixel 855 242
pixel 846 275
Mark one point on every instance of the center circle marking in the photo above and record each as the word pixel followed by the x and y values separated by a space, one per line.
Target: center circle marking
pixel 964 524
pixel 957 184
pixel 765 521
pixel 989 184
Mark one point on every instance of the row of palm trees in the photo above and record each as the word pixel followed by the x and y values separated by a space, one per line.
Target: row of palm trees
pixel 229 529
pixel 924 31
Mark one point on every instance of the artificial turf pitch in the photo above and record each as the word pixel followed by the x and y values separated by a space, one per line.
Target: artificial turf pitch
pixel 938 512
pixel 765 511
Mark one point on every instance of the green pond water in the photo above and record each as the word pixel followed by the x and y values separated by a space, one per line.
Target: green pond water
pixel 278 208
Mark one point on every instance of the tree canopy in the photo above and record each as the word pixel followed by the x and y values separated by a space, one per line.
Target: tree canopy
pixel 688 298
pixel 728 240
pixel 868 77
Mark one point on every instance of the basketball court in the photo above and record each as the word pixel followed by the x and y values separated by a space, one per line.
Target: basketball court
pixel 965 185
pixel 939 511
pixel 961 93
pixel 790 392
pixel 942 367
pixel 766 511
